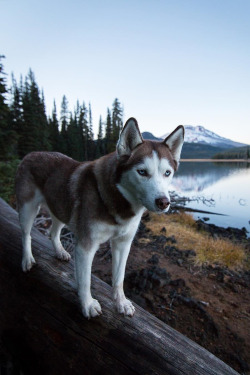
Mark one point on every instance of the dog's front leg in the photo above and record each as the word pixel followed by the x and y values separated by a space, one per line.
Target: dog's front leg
pixel 83 262
pixel 120 250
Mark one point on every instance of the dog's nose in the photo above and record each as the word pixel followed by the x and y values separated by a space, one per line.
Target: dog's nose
pixel 162 203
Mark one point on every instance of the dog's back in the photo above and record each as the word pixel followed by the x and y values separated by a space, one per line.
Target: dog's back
pixel 47 173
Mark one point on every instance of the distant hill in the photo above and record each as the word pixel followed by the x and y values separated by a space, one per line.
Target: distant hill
pixel 201 143
pixel 234 153
pixel 191 150
pixel 199 151
pixel 199 134
pixel 148 135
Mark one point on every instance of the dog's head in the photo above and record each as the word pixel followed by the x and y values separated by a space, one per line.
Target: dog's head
pixel 146 168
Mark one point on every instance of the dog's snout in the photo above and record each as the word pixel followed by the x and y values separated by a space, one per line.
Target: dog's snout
pixel 162 203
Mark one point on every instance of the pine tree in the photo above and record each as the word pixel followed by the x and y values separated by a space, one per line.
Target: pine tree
pixel 63 145
pixel 84 132
pixel 8 137
pixel 100 130
pixel 73 137
pixel 7 134
pixel 100 142
pixel 91 133
pixel 43 126
pixel 109 144
pixel 117 119
pixel 16 111
pixel 54 136
pixel 34 132
pixel 91 142
pixel 28 132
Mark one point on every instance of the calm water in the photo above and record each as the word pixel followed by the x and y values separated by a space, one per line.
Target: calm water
pixel 218 187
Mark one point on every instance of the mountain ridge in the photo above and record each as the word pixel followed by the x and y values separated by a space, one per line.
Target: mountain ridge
pixel 200 143
pixel 199 134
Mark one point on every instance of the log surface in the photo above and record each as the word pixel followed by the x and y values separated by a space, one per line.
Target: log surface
pixel 41 324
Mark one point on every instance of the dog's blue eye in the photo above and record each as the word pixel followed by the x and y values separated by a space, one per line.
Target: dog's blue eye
pixel 167 173
pixel 142 172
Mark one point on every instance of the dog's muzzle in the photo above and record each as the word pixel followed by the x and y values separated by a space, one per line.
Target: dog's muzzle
pixel 162 203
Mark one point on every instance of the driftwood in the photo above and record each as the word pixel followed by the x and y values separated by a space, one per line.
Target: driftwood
pixel 41 324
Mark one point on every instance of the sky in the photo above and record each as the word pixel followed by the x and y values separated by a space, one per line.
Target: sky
pixel 169 62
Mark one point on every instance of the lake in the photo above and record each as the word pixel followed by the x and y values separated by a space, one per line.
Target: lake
pixel 217 187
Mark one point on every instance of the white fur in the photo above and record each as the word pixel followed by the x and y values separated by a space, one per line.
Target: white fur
pixel 121 237
pixel 143 191
pixel 83 263
pixel 27 214
pixel 55 232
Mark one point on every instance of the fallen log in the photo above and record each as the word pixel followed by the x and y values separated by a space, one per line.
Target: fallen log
pixel 42 328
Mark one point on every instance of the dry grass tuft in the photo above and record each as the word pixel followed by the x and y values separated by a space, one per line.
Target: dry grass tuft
pixel 208 250
pixel 144 240
pixel 220 251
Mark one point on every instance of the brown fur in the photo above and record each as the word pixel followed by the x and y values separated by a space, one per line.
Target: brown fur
pixel 50 172
pixel 95 194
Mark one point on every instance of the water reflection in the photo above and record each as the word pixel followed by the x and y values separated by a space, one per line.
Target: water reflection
pixel 196 176
pixel 226 183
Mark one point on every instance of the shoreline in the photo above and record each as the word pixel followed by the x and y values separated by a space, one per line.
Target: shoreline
pixel 210 226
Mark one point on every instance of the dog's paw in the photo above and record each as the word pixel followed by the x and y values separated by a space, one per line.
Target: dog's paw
pixel 125 307
pixel 27 263
pixel 63 255
pixel 92 309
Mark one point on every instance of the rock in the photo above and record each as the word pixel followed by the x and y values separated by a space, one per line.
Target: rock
pixel 172 251
pixel 220 276
pixel 171 239
pixel 180 283
pixel 160 239
pixel 180 262
pixel 142 230
pixel 214 230
pixel 148 278
pixel 154 259
pixel 188 253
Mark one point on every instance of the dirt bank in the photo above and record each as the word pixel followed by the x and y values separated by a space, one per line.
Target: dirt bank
pixel 209 304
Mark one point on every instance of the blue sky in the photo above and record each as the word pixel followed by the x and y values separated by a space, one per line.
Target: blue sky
pixel 169 62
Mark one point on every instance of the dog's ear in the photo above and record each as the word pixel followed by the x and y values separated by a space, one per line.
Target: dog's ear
pixel 175 142
pixel 129 139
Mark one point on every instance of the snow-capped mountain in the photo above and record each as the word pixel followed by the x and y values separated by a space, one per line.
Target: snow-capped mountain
pixel 198 134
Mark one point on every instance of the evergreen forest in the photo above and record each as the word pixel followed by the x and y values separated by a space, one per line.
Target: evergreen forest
pixel 242 153
pixel 25 127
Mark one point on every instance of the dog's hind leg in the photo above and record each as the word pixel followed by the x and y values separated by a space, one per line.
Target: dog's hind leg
pixel 27 214
pixel 55 232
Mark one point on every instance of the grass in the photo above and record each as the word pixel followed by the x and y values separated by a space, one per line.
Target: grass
pixel 208 250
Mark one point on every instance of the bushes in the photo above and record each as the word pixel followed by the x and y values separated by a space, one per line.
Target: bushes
pixel 7 179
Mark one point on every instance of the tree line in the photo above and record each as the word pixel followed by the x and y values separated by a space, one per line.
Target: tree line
pixel 25 127
pixel 234 153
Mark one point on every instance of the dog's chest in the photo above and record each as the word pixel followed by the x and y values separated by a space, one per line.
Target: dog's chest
pixel 124 228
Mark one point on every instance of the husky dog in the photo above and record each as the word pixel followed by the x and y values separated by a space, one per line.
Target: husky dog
pixel 98 200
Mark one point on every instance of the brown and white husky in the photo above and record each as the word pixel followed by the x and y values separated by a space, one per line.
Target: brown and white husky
pixel 99 200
